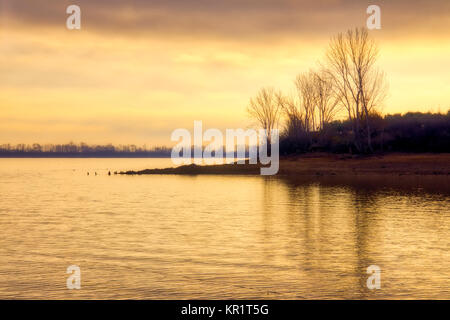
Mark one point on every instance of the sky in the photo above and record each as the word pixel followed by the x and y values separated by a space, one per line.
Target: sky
pixel 137 70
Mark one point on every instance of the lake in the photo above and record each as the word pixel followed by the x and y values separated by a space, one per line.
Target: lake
pixel 218 237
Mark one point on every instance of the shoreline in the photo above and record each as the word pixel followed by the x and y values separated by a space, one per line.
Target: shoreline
pixel 324 164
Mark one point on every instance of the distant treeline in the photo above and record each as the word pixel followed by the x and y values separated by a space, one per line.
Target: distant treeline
pixel 411 132
pixel 82 150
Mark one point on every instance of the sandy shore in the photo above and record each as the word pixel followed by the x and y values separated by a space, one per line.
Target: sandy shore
pixel 327 164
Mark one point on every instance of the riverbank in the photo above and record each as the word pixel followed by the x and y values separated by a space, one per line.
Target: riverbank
pixel 327 164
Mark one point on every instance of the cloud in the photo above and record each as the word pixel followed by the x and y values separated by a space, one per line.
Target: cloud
pixel 143 68
pixel 232 18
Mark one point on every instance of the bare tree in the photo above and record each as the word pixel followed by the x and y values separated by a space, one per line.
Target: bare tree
pixel 304 84
pixel 266 109
pixel 327 101
pixel 317 103
pixel 294 116
pixel 360 87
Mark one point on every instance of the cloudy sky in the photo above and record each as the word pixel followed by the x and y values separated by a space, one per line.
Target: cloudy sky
pixel 139 69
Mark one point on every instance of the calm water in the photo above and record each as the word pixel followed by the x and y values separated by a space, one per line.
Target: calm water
pixel 179 237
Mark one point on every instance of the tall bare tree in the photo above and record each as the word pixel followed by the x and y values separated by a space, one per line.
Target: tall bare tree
pixel 305 85
pixel 359 85
pixel 327 101
pixel 316 103
pixel 294 116
pixel 265 108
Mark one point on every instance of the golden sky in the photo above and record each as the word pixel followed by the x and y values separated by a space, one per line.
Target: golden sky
pixel 139 69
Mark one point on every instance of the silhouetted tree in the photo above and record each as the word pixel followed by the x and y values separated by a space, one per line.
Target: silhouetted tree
pixel 361 87
pixel 265 108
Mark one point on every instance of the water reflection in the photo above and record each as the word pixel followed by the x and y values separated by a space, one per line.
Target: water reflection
pixel 351 223
pixel 241 237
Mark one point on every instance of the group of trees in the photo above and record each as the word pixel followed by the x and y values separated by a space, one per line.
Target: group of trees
pixel 347 82
pixel 411 132
pixel 81 150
